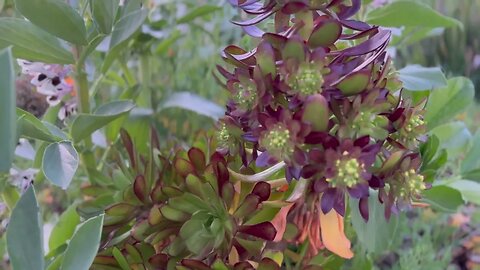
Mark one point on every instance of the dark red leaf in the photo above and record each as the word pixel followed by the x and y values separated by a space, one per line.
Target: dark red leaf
pixel 127 142
pixel 159 261
pixel 195 265
pixel 363 208
pixel 140 188
pixel 198 159
pixel 264 230
pixel 262 190
pixel 183 167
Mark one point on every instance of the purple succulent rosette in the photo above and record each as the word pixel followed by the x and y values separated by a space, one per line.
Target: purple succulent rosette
pixel 320 94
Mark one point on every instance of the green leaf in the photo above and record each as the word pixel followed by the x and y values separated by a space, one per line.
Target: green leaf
pixel 200 11
pixel 163 47
pixel 31 127
pixel 60 162
pixel 22 34
pixel 470 190
pixel 454 137
pixel 64 228
pixel 472 158
pixel 192 102
pixel 8 118
pixel 443 198
pixel 86 124
pixel 24 234
pixel 56 17
pixel 409 13
pixel 418 78
pixel 127 26
pixel 378 234
pixel 120 259
pixel 103 12
pixel 445 103
pixel 83 247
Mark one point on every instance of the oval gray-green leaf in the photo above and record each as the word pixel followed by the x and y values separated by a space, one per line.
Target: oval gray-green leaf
pixel 471 161
pixel 455 137
pixel 31 42
pixel 24 234
pixel 446 102
pixel 409 13
pixel 56 17
pixel 103 12
pixel 468 189
pixel 127 26
pixel 8 117
pixel 84 244
pixel 418 78
pixel 59 163
pixel 192 102
pixel 86 124
pixel 443 198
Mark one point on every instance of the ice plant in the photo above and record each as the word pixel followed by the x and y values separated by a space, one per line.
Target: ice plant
pixel 320 94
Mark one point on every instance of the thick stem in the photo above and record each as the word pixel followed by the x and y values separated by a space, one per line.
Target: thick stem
pixel 81 85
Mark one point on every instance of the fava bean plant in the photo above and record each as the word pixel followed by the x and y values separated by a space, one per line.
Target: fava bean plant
pixel 322 146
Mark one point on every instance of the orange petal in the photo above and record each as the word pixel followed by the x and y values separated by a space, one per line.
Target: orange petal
pixel 333 236
pixel 280 222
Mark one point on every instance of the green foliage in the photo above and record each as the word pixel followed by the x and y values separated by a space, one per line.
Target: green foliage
pixel 418 78
pixel 85 124
pixel 24 234
pixel 447 102
pixel 377 234
pixel 60 162
pixel 84 244
pixel 21 34
pixel 55 17
pixel 8 116
pixel 410 13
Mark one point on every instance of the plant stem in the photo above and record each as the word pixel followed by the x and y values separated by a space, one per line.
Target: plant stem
pixel 81 84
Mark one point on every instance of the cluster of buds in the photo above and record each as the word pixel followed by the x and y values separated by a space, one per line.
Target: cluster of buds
pixel 321 95
pixel 52 81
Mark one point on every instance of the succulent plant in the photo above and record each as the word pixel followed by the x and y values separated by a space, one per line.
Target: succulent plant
pixel 186 211
pixel 323 98
pixel 318 97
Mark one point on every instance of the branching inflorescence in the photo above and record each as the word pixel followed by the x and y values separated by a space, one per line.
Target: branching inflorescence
pixel 318 96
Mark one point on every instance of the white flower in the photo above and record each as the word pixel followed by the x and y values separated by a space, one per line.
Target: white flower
pixel 22 178
pixel 48 78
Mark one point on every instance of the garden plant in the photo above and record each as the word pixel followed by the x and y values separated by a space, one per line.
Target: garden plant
pixel 239 134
